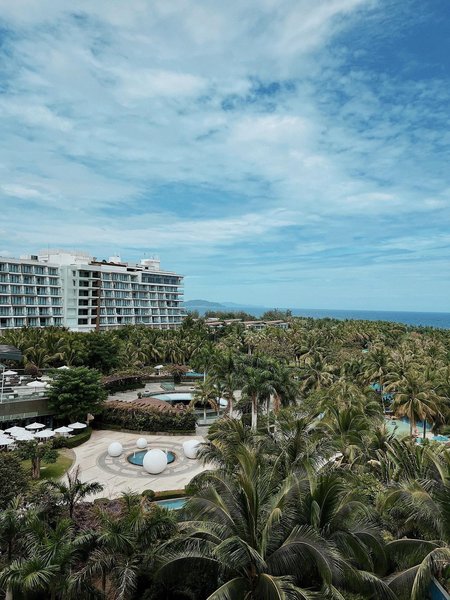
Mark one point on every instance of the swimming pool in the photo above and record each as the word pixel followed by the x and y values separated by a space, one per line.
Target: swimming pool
pixel 137 458
pixel 173 504
pixel 401 426
pixel 184 397
pixel 194 374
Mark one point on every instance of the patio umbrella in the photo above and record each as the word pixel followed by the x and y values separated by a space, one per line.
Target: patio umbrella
pixel 25 436
pixel 9 373
pixel 35 426
pixel 4 441
pixel 63 368
pixel 45 433
pixel 37 384
pixel 159 367
pixel 77 425
pixel 63 429
pixel 14 429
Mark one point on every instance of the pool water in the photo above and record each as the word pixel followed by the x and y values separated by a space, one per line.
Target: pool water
pixel 401 426
pixel 174 504
pixel 184 397
pixel 194 374
pixel 441 438
pixel 137 458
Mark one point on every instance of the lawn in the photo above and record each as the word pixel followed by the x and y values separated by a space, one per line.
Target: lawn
pixel 52 470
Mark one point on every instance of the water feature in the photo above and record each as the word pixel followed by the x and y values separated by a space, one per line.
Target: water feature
pixel 173 504
pixel 183 397
pixel 137 458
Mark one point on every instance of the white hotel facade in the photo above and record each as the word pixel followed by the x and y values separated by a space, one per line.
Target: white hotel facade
pixel 75 290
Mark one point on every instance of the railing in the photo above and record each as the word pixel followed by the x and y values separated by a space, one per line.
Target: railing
pixel 437 592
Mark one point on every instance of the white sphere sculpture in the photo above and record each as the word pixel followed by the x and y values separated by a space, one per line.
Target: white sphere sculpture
pixel 115 449
pixel 155 461
pixel 190 448
pixel 141 443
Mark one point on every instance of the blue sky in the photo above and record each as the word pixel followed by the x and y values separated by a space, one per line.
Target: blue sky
pixel 276 152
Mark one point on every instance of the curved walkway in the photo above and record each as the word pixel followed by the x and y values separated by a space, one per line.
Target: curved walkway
pixel 117 475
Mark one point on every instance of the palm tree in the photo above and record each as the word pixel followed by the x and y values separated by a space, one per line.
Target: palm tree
pixel 125 547
pixel 415 399
pixel 427 507
pixel 74 490
pixel 49 555
pixel 205 395
pixel 257 386
pixel 246 523
pixel 377 368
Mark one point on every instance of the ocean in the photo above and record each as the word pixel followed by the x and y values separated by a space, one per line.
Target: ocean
pixel 429 319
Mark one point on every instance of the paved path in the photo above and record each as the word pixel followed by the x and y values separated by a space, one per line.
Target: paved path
pixel 117 475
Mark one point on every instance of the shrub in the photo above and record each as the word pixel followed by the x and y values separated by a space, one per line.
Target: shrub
pixel 147 418
pixel 118 383
pixel 74 441
pixel 149 494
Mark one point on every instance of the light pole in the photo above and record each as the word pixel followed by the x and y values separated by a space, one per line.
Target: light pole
pixel 3 382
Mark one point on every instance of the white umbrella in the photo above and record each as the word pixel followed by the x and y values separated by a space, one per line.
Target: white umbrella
pixel 9 373
pixel 4 441
pixel 25 436
pixel 77 425
pixel 35 426
pixel 63 368
pixel 14 429
pixel 45 433
pixel 37 384
pixel 159 367
pixel 63 429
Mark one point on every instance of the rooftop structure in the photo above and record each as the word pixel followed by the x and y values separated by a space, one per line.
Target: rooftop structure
pixel 215 323
pixel 83 293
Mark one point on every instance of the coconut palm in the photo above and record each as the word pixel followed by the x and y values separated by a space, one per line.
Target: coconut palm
pixel 205 395
pixel 415 399
pixel 125 547
pixel 427 508
pixel 74 490
pixel 245 524
pixel 48 557
pixel 257 387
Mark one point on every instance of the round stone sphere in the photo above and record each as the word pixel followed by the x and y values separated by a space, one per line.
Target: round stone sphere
pixel 115 449
pixel 155 461
pixel 141 443
pixel 190 448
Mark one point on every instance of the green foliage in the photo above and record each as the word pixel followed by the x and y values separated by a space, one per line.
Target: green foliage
pixel 148 494
pixel 102 351
pixel 14 480
pixel 37 452
pixel 73 441
pixel 147 419
pixel 75 393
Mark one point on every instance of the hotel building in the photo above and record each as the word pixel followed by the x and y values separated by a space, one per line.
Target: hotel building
pixel 75 290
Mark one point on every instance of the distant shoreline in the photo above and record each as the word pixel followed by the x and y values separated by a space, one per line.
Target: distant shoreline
pixel 425 319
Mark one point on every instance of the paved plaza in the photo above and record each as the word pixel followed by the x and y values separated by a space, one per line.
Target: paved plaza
pixel 117 475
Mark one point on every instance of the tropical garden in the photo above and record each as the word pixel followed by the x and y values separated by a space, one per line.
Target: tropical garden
pixel 310 492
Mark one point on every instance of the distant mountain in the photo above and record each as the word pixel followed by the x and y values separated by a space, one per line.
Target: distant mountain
pixel 204 305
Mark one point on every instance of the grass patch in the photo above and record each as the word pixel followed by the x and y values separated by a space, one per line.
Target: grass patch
pixel 51 470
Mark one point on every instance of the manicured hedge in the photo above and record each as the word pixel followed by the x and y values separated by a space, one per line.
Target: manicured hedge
pixel 74 441
pixel 121 383
pixel 146 419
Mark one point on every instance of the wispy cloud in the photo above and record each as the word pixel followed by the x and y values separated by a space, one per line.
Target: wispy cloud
pixel 291 148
